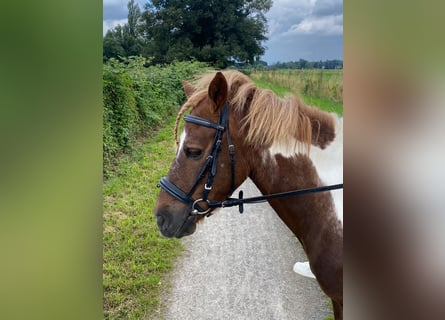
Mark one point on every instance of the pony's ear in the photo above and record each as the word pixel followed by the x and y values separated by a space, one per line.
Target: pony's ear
pixel 189 89
pixel 218 91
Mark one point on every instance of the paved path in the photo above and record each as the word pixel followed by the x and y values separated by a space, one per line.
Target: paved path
pixel 239 267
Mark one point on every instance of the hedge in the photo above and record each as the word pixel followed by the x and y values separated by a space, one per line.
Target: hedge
pixel 136 99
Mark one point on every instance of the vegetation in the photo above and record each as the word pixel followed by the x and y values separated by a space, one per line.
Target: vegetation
pixel 217 32
pixel 136 100
pixel 135 255
pixel 304 64
pixel 321 88
pixel 125 41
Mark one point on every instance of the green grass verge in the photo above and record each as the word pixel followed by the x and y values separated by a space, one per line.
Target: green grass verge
pixel 135 255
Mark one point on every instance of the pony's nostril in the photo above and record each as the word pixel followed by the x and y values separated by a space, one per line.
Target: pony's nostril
pixel 160 220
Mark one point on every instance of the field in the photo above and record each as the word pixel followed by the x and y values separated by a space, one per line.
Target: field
pixel 321 88
pixel 136 258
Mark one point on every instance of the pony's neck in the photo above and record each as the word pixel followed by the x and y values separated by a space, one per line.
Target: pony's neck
pixel 308 217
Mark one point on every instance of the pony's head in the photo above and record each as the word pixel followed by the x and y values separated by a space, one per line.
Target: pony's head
pixel 195 159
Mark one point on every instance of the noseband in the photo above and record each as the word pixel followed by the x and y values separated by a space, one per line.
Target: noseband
pixel 210 164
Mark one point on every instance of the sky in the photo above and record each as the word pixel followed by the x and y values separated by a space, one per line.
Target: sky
pixel 297 29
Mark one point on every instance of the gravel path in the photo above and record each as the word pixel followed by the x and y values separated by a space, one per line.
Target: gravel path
pixel 240 267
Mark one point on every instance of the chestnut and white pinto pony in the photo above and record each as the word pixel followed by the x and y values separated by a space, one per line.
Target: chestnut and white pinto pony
pixel 281 145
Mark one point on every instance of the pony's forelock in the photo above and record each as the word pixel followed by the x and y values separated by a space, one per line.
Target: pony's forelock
pixel 191 103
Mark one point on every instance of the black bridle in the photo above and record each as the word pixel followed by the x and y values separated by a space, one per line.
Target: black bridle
pixel 210 167
pixel 210 164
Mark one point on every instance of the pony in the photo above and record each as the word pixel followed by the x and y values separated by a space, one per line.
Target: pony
pixel 235 130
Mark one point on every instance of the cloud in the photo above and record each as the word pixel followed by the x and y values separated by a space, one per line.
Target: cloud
pixel 115 12
pixel 324 25
pixel 285 13
pixel 307 29
pixel 291 17
pixel 115 9
pixel 327 7
pixel 110 24
pixel 309 47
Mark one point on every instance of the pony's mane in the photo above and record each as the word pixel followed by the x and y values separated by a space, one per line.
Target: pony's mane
pixel 266 118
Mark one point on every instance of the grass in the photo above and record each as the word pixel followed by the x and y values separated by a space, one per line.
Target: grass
pixel 135 255
pixel 323 103
pixel 310 82
pixel 276 88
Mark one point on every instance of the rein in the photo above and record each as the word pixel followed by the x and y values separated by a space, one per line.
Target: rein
pixel 210 167
pixel 240 201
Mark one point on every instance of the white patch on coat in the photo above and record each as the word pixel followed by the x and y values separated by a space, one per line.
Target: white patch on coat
pixel 181 141
pixel 328 162
pixel 286 148
pixel 329 165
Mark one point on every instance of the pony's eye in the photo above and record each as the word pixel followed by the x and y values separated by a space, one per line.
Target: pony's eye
pixel 193 153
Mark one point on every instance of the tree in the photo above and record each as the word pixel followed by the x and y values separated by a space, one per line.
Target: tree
pixel 134 14
pixel 125 41
pixel 113 43
pixel 220 32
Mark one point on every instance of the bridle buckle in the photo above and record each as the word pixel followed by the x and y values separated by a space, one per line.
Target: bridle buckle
pixel 195 210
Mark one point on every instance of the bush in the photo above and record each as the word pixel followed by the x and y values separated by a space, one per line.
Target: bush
pixel 136 98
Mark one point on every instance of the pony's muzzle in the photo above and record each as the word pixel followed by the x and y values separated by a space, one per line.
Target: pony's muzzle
pixel 175 225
